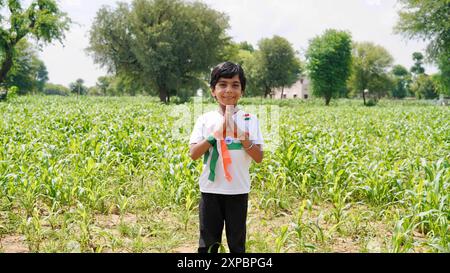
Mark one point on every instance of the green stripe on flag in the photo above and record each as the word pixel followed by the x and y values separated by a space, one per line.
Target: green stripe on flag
pixel 215 156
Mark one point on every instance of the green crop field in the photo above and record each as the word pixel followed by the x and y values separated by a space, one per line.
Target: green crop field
pixel 114 175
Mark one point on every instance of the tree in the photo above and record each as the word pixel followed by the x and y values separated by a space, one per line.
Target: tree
pixel 56 89
pixel 234 52
pixel 444 75
pixel 278 65
pixel 230 52
pixel 428 20
pixel 248 57
pixel 104 85
pixel 119 85
pixel 41 75
pixel 443 78
pixel 370 69
pixel 42 20
pixel 78 87
pixel 163 45
pixel 424 87
pixel 28 73
pixel 441 84
pixel 251 63
pixel 401 81
pixel 417 68
pixel 329 62
pixel 246 46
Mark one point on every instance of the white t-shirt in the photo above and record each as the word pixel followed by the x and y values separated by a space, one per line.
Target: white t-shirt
pixel 240 165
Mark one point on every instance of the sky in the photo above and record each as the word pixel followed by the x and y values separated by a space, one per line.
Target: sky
pixel 250 20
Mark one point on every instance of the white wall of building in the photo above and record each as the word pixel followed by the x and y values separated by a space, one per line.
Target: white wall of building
pixel 300 90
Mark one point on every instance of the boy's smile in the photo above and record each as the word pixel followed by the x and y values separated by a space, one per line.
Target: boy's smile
pixel 228 91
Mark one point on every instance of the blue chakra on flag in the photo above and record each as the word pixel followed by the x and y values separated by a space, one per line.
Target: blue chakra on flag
pixel 228 140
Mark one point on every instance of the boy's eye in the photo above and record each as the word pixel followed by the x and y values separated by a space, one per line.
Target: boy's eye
pixel 224 85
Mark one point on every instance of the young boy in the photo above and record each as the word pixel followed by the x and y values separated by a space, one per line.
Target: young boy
pixel 229 139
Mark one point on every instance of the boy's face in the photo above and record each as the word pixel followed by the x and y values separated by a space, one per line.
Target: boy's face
pixel 228 91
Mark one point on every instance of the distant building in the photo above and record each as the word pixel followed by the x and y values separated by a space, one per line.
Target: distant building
pixel 300 90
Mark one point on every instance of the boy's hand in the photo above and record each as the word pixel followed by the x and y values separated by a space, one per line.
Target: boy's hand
pixel 225 129
pixel 229 128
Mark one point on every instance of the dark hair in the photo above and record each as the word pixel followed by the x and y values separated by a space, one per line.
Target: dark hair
pixel 227 70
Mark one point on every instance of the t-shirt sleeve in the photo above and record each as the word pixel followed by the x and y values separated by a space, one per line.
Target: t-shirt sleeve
pixel 197 132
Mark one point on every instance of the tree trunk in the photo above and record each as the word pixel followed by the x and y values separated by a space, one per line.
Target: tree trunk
pixel 327 100
pixel 267 92
pixel 282 92
pixel 364 97
pixel 163 94
pixel 6 64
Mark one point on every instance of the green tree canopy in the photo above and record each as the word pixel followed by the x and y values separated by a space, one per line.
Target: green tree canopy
pixel 104 85
pixel 28 73
pixel 440 84
pixel 278 65
pixel 78 87
pixel 417 68
pixel 119 85
pixel 444 75
pixel 246 46
pixel 56 89
pixel 424 87
pixel 429 20
pixel 402 77
pixel 164 45
pixel 329 62
pixel 251 64
pixel 370 69
pixel 246 55
pixel 42 20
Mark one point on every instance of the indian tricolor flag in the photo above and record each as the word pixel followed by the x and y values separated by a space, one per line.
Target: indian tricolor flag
pixel 226 159
pixel 224 154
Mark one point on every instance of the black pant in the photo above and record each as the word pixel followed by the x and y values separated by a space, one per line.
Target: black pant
pixel 214 210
